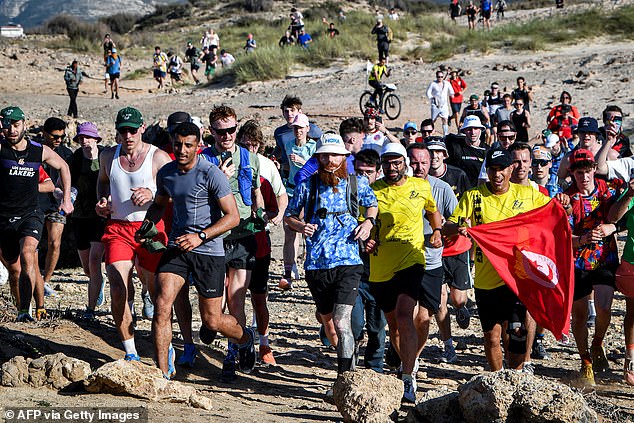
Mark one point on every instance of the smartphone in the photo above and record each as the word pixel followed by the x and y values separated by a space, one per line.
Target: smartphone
pixel 617 124
pixel 379 119
pixel 225 158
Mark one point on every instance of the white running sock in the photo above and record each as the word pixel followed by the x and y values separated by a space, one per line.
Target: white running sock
pixel 129 346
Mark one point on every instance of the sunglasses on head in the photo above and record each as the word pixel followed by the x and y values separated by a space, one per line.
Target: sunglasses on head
pixel 224 131
pixel 540 163
pixel 127 130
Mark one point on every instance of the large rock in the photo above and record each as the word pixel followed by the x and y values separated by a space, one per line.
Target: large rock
pixel 366 396
pixel 505 396
pixel 436 406
pixel 140 380
pixel 55 371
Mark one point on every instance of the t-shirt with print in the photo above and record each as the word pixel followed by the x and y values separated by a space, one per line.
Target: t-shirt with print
pixel 283 133
pixel 195 195
pixel 333 244
pixel 245 211
pixel 446 202
pixel 587 213
pixel 400 226
pixel 375 140
pixel 482 206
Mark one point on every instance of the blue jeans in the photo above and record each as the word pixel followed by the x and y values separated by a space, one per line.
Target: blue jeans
pixel 374 322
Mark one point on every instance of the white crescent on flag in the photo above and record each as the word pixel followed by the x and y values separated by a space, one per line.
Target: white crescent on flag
pixel 540 268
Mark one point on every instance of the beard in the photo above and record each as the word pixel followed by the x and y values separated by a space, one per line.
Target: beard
pixel 332 178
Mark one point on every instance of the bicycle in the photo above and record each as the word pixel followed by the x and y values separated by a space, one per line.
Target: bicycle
pixel 390 103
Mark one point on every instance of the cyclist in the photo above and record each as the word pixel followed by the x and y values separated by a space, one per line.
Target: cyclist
pixel 378 70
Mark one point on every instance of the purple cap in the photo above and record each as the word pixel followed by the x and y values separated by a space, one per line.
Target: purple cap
pixel 88 129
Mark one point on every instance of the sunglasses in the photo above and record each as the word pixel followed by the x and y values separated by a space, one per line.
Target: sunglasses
pixel 506 137
pixel 127 130
pixel 393 163
pixel 566 97
pixel 410 132
pixel 519 104
pixel 539 163
pixel 617 119
pixel 224 131
pixel 57 137
pixel 426 131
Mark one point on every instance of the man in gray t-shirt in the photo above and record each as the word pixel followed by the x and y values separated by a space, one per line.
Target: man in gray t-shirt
pixel 204 210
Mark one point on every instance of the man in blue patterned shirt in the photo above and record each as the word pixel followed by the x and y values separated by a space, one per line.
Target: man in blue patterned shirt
pixel 333 265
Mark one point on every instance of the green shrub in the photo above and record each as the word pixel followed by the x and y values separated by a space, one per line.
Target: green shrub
pixel 121 23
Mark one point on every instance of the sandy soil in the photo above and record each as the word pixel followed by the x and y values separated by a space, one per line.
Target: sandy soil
pixel 595 73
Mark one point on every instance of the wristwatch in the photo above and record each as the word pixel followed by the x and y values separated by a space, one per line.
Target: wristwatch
pixel 202 235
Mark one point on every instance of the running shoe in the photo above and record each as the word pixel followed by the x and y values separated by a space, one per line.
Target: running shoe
pixel 148 307
pixel 246 353
pixel 591 320
pixel 628 372
pixel 528 368
pixel 329 397
pixel 4 275
pixel 392 359
pixel 409 394
pixel 188 357
pixel 599 360
pixel 285 284
pixel 228 373
pixel 322 336
pixel 266 355
pixel 89 314
pixel 48 291
pixel 449 356
pixel 586 376
pixel 538 351
pixel 25 316
pixel 171 357
pixel 101 298
pixel 207 335
pixel 295 271
pixel 132 357
pixel 41 314
pixel 463 317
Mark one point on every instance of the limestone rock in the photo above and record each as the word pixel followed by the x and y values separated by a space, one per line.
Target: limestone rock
pixel 54 370
pixel 140 380
pixel 436 406
pixel 366 396
pixel 488 397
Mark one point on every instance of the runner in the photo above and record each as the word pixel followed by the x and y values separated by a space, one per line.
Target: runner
pixel 471 12
pixel 72 77
pixel 204 210
pixel 242 168
pixel 490 202
pixel 333 266
pixel 382 39
pixel 475 109
pixel 410 134
pixel 21 220
pixel 125 188
pixel 192 56
pixel 467 151
pixel 376 134
pixel 565 99
pixel 113 68
pixel 159 65
pixel 87 226
pixel 523 92
pixel 485 9
pixel 397 259
pixel 439 92
pixel 521 119
pixel 454 176
pixel 459 85
pixel 174 67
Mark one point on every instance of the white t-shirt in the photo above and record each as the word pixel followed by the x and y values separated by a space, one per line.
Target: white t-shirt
pixel 269 171
pixel 375 141
pixel 440 92
pixel 621 168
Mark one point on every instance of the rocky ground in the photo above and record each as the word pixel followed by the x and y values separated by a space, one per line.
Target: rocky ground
pixel 597 73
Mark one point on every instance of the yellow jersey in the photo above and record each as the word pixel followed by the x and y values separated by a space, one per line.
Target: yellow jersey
pixel 482 206
pixel 400 226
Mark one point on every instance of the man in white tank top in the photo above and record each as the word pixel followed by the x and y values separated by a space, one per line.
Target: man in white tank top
pixel 126 188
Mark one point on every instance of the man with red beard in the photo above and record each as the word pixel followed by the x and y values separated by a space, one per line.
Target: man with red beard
pixel 333 265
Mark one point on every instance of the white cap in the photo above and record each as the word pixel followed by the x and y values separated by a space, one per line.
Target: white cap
pixel 394 148
pixel 471 121
pixel 551 140
pixel 331 143
pixel 197 121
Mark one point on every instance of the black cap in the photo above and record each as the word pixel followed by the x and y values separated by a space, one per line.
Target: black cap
pixel 588 124
pixel 499 157
pixel 177 118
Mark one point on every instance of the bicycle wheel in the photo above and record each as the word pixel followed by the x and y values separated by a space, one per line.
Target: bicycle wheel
pixel 364 100
pixel 392 106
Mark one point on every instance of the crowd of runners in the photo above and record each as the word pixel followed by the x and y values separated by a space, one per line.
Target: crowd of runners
pixel 383 219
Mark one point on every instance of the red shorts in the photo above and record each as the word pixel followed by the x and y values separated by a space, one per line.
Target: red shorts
pixel 119 244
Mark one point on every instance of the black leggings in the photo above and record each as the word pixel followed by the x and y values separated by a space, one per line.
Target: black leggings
pixel 72 107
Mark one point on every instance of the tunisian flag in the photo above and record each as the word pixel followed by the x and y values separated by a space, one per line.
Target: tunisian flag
pixel 532 253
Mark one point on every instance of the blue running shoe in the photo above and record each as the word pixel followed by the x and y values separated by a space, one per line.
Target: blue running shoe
pixel 246 353
pixel 171 356
pixel 132 357
pixel 189 356
pixel 101 298
pixel 148 307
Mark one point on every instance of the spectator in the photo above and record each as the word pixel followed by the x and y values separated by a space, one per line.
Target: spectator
pixel 250 45
pixel 286 40
pixel 72 76
pixel 226 58
pixel 304 38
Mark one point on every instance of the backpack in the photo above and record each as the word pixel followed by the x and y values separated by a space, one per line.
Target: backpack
pixel 390 35
pixel 352 197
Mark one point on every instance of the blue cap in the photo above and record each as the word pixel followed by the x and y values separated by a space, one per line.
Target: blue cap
pixel 410 125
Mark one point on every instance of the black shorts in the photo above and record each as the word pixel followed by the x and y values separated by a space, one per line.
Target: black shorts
pixel 13 229
pixel 407 281
pixel 455 108
pixel 339 285
pixel 431 289
pixel 114 76
pixel 87 231
pixel 384 50
pixel 240 253
pixel 486 14
pixel 207 272
pixel 260 275
pixel 175 75
pixel 495 306
pixel 457 272
pixel 194 66
pixel 586 279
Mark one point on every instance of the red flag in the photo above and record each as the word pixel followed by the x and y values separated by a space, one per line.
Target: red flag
pixel 532 253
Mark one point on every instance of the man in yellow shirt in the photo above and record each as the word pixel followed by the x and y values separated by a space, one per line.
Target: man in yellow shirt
pixel 397 261
pixel 374 80
pixel 493 201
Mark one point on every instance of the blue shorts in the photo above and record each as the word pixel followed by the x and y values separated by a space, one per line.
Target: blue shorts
pixel 159 74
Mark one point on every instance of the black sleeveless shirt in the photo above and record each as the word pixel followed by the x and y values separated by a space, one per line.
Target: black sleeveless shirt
pixel 19 178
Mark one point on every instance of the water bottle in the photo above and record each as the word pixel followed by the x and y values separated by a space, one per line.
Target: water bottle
pixel 73 197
